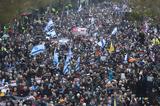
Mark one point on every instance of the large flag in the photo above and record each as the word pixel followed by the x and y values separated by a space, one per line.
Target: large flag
pixel 70 54
pixel 114 31
pixel 78 64
pixel 66 68
pixel 55 57
pixel 111 48
pixel 37 49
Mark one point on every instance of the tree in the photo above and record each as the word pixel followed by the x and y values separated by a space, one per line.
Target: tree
pixel 11 8
pixel 145 8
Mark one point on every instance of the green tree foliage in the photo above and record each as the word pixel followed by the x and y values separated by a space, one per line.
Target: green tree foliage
pixel 11 8
pixel 144 8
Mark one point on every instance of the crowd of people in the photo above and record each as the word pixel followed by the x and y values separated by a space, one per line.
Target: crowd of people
pixel 122 72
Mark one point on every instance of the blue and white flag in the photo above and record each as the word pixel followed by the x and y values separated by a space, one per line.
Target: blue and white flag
pixel 37 49
pixel 102 43
pixel 49 29
pixel 126 58
pixel 55 57
pixel 66 68
pixel 49 25
pixel 114 31
pixel 92 20
pixel 78 64
pixel 80 8
pixel 70 54
pixel 51 33
pixel 67 61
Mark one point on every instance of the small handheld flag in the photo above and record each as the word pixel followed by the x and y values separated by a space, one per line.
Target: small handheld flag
pixel 126 58
pixel 49 25
pixel 55 57
pixel 114 31
pixel 51 33
pixel 37 49
pixel 67 67
pixel 80 8
pixel 102 43
pixel 49 29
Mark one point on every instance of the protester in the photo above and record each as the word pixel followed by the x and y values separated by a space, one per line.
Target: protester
pixel 90 57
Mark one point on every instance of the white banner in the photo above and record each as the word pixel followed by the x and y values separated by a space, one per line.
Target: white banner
pixel 79 31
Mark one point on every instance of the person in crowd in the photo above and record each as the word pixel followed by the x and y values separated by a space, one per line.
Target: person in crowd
pixel 112 63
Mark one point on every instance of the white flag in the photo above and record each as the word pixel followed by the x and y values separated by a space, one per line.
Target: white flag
pixel 114 31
